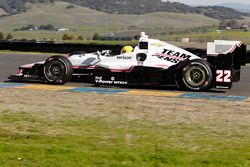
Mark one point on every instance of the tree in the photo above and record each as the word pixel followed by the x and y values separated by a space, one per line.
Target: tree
pixel 72 37
pixel 19 6
pixel 47 27
pixel 233 23
pixel 80 37
pixel 1 36
pixel 9 36
pixel 229 23
pixel 30 27
pixel 223 24
pixel 69 37
pixel 65 37
pixel 70 6
pixel 95 36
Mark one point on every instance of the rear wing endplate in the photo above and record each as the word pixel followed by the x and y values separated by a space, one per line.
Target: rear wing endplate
pixel 226 57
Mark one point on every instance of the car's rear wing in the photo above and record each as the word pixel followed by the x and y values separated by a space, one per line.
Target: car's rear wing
pixel 226 57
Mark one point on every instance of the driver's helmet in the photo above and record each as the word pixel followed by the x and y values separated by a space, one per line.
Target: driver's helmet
pixel 127 49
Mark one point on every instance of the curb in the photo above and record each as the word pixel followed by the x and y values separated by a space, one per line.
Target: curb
pixel 121 91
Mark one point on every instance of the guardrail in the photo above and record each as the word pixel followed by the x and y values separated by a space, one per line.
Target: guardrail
pixel 53 47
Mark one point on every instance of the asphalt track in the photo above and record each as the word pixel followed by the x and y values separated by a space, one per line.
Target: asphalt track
pixel 9 64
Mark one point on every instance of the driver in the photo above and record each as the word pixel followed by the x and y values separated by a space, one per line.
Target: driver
pixel 127 49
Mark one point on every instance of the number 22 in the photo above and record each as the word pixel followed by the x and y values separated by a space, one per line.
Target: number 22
pixel 223 75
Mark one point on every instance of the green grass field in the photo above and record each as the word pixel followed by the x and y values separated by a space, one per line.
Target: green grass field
pixel 86 22
pixel 118 142
pixel 213 35
pixel 59 129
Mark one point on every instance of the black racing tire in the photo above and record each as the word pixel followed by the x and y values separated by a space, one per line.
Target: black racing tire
pixel 197 75
pixel 57 70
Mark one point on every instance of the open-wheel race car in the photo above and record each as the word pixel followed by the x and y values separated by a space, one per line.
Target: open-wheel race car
pixel 151 62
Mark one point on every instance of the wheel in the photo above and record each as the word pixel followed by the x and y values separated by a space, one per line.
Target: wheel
pixel 57 70
pixel 196 75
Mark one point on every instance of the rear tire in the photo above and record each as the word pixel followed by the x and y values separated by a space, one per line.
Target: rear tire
pixel 196 76
pixel 57 70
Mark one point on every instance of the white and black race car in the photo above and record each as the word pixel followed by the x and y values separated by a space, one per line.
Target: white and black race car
pixel 152 62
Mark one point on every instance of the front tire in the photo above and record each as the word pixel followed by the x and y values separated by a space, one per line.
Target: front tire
pixel 196 76
pixel 57 70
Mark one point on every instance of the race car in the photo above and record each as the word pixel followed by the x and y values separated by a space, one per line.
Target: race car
pixel 151 62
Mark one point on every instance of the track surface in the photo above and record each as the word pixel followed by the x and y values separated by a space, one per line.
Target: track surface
pixel 9 64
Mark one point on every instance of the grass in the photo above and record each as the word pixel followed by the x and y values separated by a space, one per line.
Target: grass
pixel 86 22
pixel 119 131
pixel 213 35
pixel 114 143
